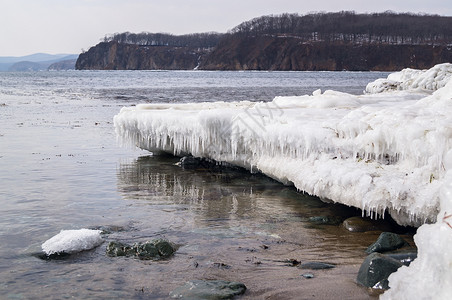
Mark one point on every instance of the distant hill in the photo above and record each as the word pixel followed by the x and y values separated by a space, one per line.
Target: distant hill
pixel 319 41
pixel 63 65
pixel 34 62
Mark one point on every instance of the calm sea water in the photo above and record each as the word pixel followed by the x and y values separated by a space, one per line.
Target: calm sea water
pixel 61 168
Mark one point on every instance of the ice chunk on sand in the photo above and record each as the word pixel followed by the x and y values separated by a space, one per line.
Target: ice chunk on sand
pixel 72 241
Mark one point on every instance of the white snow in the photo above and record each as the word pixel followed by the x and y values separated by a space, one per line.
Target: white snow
pixel 72 241
pixel 384 150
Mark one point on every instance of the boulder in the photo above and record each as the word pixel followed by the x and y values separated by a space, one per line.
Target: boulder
pixel 208 289
pixel 325 220
pixel 387 241
pixel 375 270
pixel 151 250
pixel 119 249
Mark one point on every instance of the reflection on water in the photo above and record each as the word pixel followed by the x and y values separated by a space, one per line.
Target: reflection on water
pixel 60 168
pixel 232 218
pixel 229 224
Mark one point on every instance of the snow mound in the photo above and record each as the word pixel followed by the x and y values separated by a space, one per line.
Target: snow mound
pixel 72 241
pixel 410 79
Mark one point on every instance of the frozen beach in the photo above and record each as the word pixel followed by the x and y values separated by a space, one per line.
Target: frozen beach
pixel 62 171
pixel 384 150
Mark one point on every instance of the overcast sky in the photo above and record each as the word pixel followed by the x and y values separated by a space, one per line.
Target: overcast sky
pixel 68 26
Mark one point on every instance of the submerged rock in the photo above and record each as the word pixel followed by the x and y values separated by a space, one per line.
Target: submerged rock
pixel 55 256
pixel 209 289
pixel 359 224
pixel 107 229
pixel 387 241
pixel 375 270
pixel 190 162
pixel 151 250
pixel 119 249
pixel 325 220
pixel 315 265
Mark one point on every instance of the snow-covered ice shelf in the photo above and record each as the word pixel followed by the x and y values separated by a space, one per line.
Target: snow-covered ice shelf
pixel 377 151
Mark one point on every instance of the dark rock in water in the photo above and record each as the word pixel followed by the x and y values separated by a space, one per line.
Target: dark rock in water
pixel 359 224
pixel 119 249
pixel 151 250
pixel 209 289
pixel 55 256
pixel 387 241
pixel 375 270
pixel 165 248
pixel 190 162
pixel 146 251
pixel 325 220
pixel 315 265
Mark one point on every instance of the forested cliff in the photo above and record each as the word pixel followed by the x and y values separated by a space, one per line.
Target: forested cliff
pixel 323 41
pixel 118 56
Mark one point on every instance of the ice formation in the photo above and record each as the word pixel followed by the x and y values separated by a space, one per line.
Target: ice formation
pixel 72 241
pixel 410 79
pixel 377 152
pixel 384 150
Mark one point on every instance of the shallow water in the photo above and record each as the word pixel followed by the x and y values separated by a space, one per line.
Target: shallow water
pixel 61 168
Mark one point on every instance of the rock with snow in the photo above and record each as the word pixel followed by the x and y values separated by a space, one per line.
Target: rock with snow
pixel 72 241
